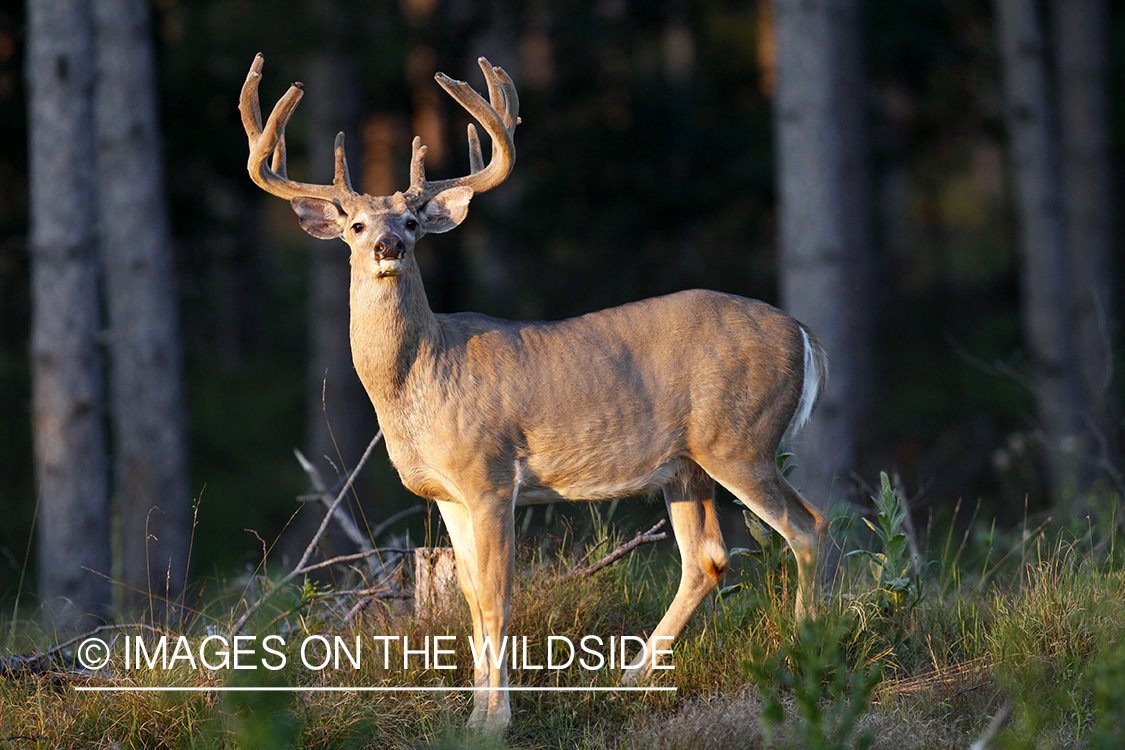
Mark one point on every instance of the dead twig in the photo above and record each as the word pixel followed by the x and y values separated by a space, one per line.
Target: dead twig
pixel 970 689
pixel 335 561
pixel 376 593
pixel 377 568
pixel 647 537
pixel 591 551
pixel 302 566
pixel 365 598
pixel 375 532
pixel 351 531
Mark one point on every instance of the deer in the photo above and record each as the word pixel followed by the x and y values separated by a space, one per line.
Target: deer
pixel 482 415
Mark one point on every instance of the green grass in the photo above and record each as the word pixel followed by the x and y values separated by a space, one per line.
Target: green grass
pixel 1028 623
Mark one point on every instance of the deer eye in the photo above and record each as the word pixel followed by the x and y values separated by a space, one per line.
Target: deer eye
pixel 411 224
pixel 357 227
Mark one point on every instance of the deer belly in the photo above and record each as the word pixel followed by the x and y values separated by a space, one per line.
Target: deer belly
pixel 540 486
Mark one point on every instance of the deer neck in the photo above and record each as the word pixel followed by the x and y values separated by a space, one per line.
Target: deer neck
pixel 392 330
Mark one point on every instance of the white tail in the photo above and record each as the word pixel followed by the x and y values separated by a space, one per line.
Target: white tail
pixel 481 415
pixel 813 383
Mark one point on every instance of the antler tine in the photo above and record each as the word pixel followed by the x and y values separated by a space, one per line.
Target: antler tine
pixel 417 164
pixel 342 178
pixel 277 164
pixel 248 101
pixel 476 160
pixel 269 140
pixel 502 92
pixel 473 103
pixel 495 93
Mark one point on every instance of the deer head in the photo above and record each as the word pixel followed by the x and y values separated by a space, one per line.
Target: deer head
pixel 382 230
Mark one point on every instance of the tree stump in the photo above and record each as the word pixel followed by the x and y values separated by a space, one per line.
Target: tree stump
pixel 435 580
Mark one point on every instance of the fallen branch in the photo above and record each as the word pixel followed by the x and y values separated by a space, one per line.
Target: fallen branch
pixel 351 531
pixel 365 598
pixel 346 558
pixel 47 661
pixel 591 551
pixel 301 568
pixel 362 542
pixel 647 537
pixel 374 593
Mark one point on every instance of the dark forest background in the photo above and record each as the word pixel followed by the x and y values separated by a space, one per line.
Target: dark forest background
pixel 647 163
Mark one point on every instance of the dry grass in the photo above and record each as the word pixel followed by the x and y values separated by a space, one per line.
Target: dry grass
pixel 732 720
pixel 1034 639
pixel 718 720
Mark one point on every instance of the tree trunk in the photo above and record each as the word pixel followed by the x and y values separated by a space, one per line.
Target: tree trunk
pixel 339 417
pixel 821 168
pixel 1081 45
pixel 859 218
pixel 150 488
pixel 1044 269
pixel 70 458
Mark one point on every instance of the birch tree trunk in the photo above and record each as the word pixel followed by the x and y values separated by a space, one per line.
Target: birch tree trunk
pixel 70 457
pixel 821 173
pixel 1081 46
pixel 1044 282
pixel 150 487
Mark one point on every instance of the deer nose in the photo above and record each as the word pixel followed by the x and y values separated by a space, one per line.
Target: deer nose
pixel 389 247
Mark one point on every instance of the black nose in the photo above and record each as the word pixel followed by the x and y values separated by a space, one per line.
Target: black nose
pixel 389 247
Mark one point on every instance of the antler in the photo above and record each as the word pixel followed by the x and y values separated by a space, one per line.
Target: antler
pixel 499 116
pixel 270 140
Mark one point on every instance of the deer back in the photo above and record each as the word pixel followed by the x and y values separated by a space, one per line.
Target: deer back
pixel 596 406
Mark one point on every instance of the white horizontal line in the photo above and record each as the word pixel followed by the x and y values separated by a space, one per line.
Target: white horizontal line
pixel 391 689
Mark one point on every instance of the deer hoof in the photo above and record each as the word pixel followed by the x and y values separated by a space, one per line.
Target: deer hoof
pixel 634 678
pixel 493 723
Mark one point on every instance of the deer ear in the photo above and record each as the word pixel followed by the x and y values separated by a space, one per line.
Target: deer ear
pixel 446 210
pixel 322 219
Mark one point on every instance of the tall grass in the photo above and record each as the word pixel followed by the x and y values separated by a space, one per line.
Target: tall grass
pixel 1027 624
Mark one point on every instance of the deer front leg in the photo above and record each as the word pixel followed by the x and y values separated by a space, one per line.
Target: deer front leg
pixel 494 535
pixel 459 525
pixel 703 558
pixel 483 535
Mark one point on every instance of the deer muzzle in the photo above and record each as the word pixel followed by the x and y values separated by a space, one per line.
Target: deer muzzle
pixel 388 247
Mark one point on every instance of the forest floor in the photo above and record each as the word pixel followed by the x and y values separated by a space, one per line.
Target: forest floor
pixel 1007 640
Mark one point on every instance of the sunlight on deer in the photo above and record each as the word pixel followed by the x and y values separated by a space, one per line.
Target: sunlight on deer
pixel 482 415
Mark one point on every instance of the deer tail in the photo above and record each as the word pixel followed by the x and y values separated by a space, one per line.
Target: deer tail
pixel 813 385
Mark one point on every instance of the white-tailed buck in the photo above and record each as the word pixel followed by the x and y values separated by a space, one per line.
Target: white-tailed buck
pixel 482 415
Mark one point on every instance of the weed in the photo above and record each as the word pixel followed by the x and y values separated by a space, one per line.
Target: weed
pixel 1106 682
pixel 897 584
pixel 828 694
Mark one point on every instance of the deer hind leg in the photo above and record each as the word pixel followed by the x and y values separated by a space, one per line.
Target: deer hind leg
pixel 483 543
pixel 690 498
pixel 761 488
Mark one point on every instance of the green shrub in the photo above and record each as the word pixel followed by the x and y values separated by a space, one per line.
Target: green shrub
pixel 828 694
